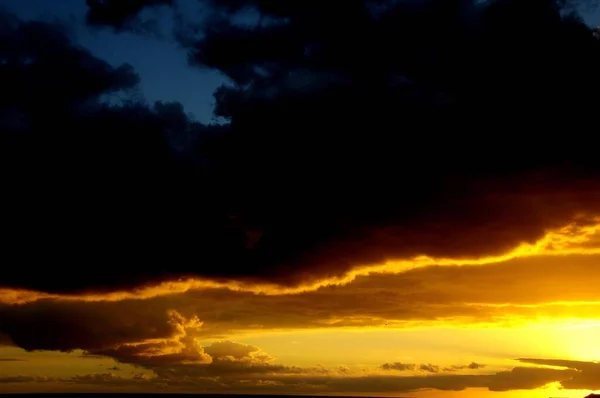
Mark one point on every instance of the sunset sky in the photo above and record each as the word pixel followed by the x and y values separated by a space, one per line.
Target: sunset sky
pixel 389 198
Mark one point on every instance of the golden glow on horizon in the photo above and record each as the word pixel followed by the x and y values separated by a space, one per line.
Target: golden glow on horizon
pixel 370 349
pixel 568 240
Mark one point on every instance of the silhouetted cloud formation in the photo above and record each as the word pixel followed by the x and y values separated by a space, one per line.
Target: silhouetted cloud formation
pixel 519 378
pixel 123 15
pixel 471 366
pixel 429 368
pixel 356 134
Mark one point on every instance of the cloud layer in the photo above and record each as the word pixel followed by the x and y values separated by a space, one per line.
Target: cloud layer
pixel 574 375
pixel 513 292
pixel 166 337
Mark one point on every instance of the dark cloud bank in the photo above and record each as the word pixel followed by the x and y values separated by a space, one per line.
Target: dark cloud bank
pixel 378 130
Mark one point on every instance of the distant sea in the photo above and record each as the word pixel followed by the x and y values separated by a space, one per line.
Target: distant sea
pixel 142 395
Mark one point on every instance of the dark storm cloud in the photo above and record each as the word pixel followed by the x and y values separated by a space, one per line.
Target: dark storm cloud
pixel 356 135
pixel 42 71
pixel 124 15
pixel 379 133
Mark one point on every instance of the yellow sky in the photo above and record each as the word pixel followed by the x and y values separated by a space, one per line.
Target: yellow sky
pixel 523 324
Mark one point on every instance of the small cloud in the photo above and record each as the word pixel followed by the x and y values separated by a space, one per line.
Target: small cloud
pixel 429 368
pixel 398 366
pixel 472 365
pixel 237 352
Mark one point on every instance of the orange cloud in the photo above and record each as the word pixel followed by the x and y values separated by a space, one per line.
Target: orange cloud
pixel 178 348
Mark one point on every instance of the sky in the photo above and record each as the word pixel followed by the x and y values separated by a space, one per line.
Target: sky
pixel 153 57
pixel 393 198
